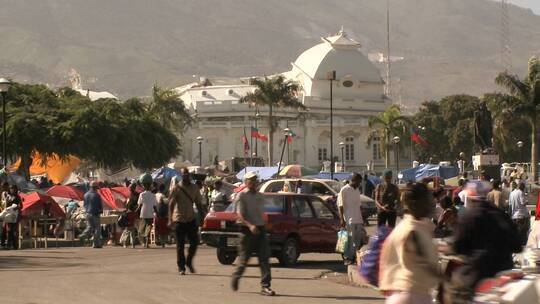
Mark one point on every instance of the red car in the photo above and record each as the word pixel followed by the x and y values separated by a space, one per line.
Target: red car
pixel 296 223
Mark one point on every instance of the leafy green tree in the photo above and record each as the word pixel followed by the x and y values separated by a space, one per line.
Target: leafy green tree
pixel 273 92
pixel 449 125
pixel 106 132
pixel 526 102
pixel 168 109
pixel 385 126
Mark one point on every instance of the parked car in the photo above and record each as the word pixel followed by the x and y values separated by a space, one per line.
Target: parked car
pixel 296 223
pixel 326 189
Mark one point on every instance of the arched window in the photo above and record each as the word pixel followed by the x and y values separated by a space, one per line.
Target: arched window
pixel 349 148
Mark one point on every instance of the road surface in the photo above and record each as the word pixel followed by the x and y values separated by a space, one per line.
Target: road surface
pixel 118 275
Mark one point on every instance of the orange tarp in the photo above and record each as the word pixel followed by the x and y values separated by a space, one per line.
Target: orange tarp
pixel 56 169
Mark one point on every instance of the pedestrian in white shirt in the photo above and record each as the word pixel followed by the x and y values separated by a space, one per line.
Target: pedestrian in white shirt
pixel 147 204
pixel 519 212
pixel 350 214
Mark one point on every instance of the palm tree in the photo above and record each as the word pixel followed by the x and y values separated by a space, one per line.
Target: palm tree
pixel 273 92
pixel 386 125
pixel 526 101
pixel 167 107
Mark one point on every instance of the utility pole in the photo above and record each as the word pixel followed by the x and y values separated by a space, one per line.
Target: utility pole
pixel 506 49
pixel 388 67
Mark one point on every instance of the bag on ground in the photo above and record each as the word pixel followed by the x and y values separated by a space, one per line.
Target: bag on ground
pixel 369 268
pixel 342 241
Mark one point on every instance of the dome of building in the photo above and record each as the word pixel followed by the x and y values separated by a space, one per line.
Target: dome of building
pixel 341 54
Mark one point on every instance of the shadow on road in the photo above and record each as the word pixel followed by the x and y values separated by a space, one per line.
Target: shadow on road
pixel 337 298
pixel 16 262
pixel 251 277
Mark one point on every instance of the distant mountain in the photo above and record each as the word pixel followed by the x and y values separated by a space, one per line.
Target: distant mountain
pixel 532 4
pixel 125 46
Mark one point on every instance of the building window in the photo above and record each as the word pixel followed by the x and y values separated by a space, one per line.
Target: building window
pixel 323 154
pixel 349 148
pixel 348 83
pixel 376 149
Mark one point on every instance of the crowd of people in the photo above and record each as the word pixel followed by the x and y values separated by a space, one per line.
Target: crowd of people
pixel 484 223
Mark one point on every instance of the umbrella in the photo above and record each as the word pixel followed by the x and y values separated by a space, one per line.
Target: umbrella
pixel 35 203
pixel 296 171
pixel 66 192
pixel 110 201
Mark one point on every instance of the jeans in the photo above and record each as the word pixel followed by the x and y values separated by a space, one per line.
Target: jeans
pixel 384 217
pixel 11 235
pixel 93 227
pixel 248 243
pixel 356 236
pixel 183 230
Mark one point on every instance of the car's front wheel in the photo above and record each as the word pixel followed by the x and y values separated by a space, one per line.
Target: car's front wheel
pixel 289 253
pixel 226 257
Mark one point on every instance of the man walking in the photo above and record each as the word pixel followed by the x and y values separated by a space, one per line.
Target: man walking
pixel 94 208
pixel 250 210
pixel 519 212
pixel 386 198
pixel 350 216
pixel 182 218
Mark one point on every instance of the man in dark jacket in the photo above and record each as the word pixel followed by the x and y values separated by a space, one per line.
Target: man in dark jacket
pixel 94 208
pixel 487 238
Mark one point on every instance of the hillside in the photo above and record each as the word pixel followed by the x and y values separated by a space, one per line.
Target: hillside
pixel 125 46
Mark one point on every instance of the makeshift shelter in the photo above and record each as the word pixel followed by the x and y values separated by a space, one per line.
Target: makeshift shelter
pixel 124 191
pixel 66 192
pixel 428 170
pixel 110 200
pixel 56 169
pixel 35 204
pixel 264 173
pixel 296 171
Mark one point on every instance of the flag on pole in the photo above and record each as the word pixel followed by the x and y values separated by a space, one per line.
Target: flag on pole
pixel 246 143
pixel 417 138
pixel 255 133
pixel 290 137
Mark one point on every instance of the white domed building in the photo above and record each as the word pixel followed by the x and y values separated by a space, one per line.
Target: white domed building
pixel 357 95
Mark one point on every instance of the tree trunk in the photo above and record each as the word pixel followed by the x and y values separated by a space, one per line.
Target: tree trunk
pixel 386 149
pixel 24 168
pixel 534 169
pixel 270 137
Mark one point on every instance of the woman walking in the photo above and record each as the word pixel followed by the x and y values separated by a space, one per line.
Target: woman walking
pixel 162 217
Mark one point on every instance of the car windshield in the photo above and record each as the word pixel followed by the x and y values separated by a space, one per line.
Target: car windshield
pixel 336 186
pixel 272 204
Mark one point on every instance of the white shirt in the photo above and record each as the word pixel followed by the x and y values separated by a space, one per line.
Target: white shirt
pixel 464 198
pixel 349 199
pixel 518 205
pixel 148 201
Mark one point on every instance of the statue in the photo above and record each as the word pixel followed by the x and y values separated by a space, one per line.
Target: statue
pixel 483 128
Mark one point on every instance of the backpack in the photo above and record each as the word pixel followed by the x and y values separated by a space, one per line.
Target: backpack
pixel 369 267
pixel 123 220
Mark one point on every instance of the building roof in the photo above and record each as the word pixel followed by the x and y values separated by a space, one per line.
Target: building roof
pixel 339 53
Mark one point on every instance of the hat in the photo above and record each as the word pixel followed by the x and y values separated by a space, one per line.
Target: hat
pixel 387 173
pixel 251 175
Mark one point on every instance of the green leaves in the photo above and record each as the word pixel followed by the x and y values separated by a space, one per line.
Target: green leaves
pixel 107 132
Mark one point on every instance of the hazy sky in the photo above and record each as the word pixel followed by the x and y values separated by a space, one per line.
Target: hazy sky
pixel 534 4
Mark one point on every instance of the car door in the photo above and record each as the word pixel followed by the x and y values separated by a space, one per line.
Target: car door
pixel 307 224
pixel 329 225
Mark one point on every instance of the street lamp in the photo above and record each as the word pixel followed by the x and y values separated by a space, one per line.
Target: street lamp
pixel 396 140
pixel 287 133
pixel 342 146
pixel 4 87
pixel 520 146
pixel 331 76
pixel 200 140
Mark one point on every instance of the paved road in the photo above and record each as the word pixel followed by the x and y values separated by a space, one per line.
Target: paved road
pixel 118 275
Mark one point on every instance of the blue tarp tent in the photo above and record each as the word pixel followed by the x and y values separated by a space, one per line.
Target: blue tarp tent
pixel 428 170
pixel 165 174
pixel 263 172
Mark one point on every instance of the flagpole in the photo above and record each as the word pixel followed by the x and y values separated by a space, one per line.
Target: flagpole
pixel 251 142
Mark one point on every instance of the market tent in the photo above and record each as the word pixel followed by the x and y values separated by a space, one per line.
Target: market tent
pixel 296 171
pixel 66 192
pixel 56 169
pixel 263 172
pixel 36 203
pixel 428 170
pixel 165 174
pixel 110 200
